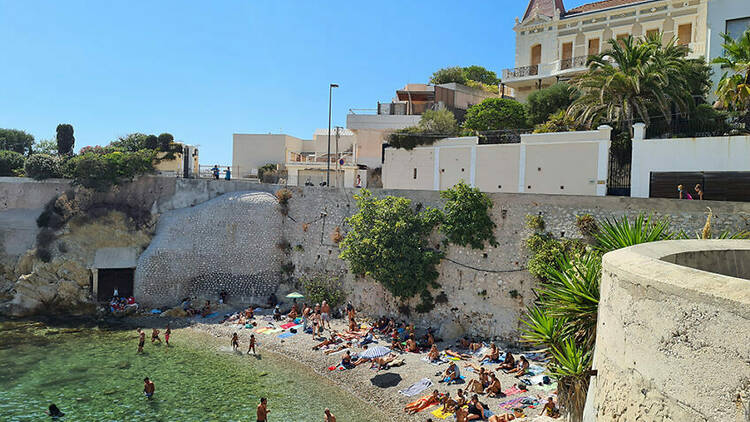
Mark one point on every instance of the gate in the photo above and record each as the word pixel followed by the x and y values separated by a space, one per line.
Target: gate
pixel 618 179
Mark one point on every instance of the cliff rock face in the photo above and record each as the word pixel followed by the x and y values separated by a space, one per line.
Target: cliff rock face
pixel 64 282
pixel 229 243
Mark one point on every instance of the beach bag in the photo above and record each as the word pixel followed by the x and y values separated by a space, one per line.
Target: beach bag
pixel 293 330
pixel 546 380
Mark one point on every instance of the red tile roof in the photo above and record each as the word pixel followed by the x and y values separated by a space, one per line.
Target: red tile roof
pixel 599 5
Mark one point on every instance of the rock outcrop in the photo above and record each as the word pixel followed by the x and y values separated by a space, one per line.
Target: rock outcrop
pixel 230 243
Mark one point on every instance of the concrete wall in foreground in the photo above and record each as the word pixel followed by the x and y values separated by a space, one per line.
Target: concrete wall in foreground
pixel 672 341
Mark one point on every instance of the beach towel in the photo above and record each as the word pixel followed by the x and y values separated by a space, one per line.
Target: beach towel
pixel 531 402
pixel 262 330
pixel 460 380
pixel 211 315
pixel 286 335
pixel 438 413
pixel 438 362
pixel 288 325
pixel 547 387
pixel 535 370
pixel 274 331
pixel 536 356
pixel 511 403
pixel 512 390
pixel 249 326
pixel 417 387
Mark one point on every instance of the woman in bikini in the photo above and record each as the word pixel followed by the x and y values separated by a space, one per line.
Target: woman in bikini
pixel 423 403
pixel 508 363
pixel 434 354
pixel 493 355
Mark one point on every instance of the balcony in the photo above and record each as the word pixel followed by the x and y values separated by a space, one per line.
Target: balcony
pixel 312 159
pixel 545 70
pixel 573 63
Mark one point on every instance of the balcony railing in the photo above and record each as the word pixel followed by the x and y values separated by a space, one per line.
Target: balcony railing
pixel 521 72
pixel 573 63
pixel 320 159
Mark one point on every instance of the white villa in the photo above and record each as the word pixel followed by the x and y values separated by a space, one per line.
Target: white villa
pixel 552 43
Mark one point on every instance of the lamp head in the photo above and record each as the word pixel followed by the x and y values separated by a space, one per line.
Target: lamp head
pixel 334 85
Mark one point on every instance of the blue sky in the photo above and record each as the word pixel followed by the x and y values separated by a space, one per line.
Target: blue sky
pixel 204 70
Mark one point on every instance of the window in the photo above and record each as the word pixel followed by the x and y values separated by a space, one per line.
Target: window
pixel 593 46
pixel 685 34
pixel 737 27
pixel 652 32
pixel 415 173
pixel 621 38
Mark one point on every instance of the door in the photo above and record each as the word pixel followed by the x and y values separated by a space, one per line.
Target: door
pixel 567 56
pixel 115 278
pixel 593 46
pixel 536 59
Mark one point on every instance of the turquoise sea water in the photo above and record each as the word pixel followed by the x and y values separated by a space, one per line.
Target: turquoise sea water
pixel 93 374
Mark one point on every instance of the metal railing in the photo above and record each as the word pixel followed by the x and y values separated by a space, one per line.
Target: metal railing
pixel 521 72
pixel 363 111
pixel 573 63
pixel 320 159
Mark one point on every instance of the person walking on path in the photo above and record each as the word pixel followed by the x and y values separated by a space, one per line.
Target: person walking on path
pixel 325 312
pixel 263 411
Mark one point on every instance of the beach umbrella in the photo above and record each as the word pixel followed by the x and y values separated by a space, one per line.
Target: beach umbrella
pixel 295 295
pixel 375 352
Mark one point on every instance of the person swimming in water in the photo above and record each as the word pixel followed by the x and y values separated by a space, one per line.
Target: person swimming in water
pixel 252 344
pixel 141 340
pixel 148 388
pixel 54 412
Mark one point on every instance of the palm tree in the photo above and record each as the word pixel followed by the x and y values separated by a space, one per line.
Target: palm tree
pixel 734 87
pixel 635 78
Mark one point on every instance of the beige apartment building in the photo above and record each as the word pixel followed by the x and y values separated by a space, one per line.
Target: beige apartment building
pixel 552 43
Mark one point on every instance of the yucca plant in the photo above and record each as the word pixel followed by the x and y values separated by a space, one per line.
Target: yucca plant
pixel 571 293
pixel 571 366
pixel 621 233
pixel 543 330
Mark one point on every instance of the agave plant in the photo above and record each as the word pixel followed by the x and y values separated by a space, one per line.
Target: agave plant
pixel 621 233
pixel 571 367
pixel 571 293
pixel 542 329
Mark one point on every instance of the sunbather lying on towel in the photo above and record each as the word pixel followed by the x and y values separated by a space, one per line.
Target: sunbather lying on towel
pixel 423 403
pixel 453 354
pixel 508 363
pixel 517 414
pixel 332 340
pixel 339 348
pixel 493 355
pixel 382 363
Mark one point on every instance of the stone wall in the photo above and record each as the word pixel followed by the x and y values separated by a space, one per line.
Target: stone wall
pixel 672 341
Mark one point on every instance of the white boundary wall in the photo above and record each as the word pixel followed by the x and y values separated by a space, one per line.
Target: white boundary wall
pixel 724 153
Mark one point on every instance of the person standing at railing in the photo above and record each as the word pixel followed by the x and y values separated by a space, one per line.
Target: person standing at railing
pixel 215 171
pixel 228 174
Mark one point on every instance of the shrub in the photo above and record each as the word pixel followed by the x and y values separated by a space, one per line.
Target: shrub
pixel 495 114
pixel 466 219
pixel 268 173
pixel 42 166
pixel 535 222
pixel 427 304
pixel 101 171
pixel 16 140
pixel 284 195
pixel 11 163
pixel 548 101
pixel 323 287
pixel 560 122
pixel 448 75
pixel 586 224
pixel 388 241
pixel 433 125
pixel 44 254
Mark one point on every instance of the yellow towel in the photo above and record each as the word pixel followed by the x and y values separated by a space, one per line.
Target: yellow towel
pixel 438 413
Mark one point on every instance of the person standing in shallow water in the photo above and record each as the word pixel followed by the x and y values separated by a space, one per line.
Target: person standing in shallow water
pixel 141 340
pixel 148 388
pixel 263 411
pixel 235 342
pixel 252 344
pixel 155 336
pixel 329 417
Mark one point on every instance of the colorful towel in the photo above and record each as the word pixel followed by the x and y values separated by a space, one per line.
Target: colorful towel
pixel 262 330
pixel 512 390
pixel 417 387
pixel 455 381
pixel 274 331
pixel 286 335
pixel 511 403
pixel 438 413
pixel 547 387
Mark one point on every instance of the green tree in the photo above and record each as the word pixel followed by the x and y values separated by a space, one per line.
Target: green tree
pixel 495 114
pixel 632 80
pixel 65 139
pixel 131 142
pixel 16 140
pixel 449 74
pixel 433 125
pixel 734 86
pixel 42 166
pixel 165 141
pixel 467 219
pixel 388 241
pixel 545 102
pixel 46 146
pixel 11 163
pixel 480 74
pixel 151 142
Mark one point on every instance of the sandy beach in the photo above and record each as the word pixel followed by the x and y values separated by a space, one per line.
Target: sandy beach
pixel 359 381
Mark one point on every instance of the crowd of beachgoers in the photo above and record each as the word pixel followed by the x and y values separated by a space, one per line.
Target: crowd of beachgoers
pixel 408 371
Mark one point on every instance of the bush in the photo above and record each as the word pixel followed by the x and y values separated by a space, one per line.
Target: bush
pixel 433 125
pixel 101 171
pixel 388 241
pixel 323 287
pixel 586 224
pixel 495 114
pixel 548 101
pixel 466 219
pixel 11 163
pixel 42 166
pixel 16 140
pixel 560 122
pixel 535 222
pixel 268 173
pixel 448 75
pixel 283 195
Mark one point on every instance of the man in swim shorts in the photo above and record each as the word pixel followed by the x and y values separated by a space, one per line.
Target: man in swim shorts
pixel 263 410
pixel 141 340
pixel 325 311
pixel 148 388
pixel 252 344
pixel 329 417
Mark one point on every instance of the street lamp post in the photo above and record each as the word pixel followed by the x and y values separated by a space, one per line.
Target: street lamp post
pixel 328 157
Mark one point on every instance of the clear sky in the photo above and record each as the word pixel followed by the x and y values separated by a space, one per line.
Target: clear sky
pixel 203 70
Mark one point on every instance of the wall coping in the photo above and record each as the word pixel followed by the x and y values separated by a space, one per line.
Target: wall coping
pixel 643 265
